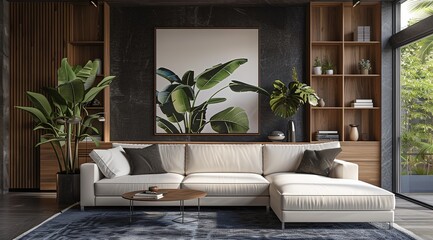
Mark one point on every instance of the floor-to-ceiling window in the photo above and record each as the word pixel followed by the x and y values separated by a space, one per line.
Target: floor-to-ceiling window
pixel 415 100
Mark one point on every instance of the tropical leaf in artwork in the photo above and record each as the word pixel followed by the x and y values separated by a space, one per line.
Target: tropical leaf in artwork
pixel 212 76
pixel 166 125
pixel 168 74
pixel 230 120
pixel 238 86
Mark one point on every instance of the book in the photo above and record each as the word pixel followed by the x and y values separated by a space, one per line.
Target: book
pixel 363 100
pixel 362 105
pixel 327 132
pixel 149 194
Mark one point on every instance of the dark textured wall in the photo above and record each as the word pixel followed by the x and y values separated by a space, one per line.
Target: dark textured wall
pixel 4 96
pixel 282 32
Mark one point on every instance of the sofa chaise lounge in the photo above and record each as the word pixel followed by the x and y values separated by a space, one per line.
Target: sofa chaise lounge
pixel 250 175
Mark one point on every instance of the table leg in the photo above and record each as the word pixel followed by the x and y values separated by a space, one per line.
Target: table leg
pixel 198 208
pixel 183 210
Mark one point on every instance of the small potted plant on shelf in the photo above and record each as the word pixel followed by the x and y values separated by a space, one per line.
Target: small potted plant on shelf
pixel 328 67
pixel 285 100
pixel 317 66
pixel 364 66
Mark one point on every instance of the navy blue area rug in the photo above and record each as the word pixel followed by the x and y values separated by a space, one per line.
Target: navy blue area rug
pixel 214 223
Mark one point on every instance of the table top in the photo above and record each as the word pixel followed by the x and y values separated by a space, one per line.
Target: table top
pixel 169 195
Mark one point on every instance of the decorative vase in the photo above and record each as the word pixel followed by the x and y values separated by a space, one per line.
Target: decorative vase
pixel 364 71
pixel 317 70
pixel 353 135
pixel 330 72
pixel 291 134
pixel 321 102
pixel 68 188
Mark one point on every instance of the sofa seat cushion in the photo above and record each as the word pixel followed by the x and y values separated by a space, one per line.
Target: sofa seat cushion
pixel 118 186
pixel 227 184
pixel 304 192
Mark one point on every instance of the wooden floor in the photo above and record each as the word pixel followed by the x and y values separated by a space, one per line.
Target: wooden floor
pixel 20 212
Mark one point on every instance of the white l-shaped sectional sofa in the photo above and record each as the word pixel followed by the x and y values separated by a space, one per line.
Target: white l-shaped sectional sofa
pixel 250 175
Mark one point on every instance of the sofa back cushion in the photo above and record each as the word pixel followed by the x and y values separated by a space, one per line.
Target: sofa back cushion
pixel 286 158
pixel 208 158
pixel 172 155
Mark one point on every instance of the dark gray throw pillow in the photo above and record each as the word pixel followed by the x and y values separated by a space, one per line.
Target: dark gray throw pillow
pixel 145 160
pixel 318 162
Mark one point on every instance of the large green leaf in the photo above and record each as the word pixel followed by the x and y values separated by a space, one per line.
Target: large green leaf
pixel 164 96
pixel 238 86
pixel 65 73
pixel 230 120
pixel 216 100
pixel 106 81
pixel 40 102
pixel 212 76
pixel 198 118
pixel 188 78
pixel 171 113
pixel 92 93
pixel 167 74
pixel 56 99
pixel 72 91
pixel 166 125
pixel 180 99
pixel 87 74
pixel 39 116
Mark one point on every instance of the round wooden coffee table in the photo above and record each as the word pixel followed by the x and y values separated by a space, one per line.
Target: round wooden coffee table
pixel 169 195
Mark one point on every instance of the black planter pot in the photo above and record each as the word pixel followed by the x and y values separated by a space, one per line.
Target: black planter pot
pixel 68 188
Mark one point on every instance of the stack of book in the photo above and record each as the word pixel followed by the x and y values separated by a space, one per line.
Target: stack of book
pixel 362 34
pixel 362 103
pixel 149 194
pixel 327 136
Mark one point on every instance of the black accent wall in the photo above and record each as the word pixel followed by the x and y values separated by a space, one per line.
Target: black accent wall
pixel 282 33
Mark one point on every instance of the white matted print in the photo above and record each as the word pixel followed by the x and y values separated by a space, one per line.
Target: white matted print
pixel 183 110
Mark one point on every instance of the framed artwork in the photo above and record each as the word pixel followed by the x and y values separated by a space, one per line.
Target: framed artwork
pixel 206 81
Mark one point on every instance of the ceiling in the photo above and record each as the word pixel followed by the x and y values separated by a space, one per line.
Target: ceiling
pixel 207 2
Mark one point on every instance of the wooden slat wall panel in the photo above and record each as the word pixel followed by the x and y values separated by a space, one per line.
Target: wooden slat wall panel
pixel 38 36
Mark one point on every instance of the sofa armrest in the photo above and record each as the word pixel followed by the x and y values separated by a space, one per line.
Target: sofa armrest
pixel 89 174
pixel 343 169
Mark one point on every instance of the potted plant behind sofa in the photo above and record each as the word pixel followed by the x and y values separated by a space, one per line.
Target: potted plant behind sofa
pixel 286 100
pixel 64 121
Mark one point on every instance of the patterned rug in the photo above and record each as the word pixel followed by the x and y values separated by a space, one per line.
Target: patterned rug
pixel 214 223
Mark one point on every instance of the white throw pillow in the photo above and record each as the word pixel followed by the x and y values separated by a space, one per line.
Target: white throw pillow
pixel 112 162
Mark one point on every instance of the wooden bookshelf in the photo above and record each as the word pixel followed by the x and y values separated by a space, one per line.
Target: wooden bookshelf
pixel 331 36
pixel 89 39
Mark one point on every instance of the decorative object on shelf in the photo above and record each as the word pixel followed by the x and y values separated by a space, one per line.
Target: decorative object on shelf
pixel 364 66
pixel 321 102
pixel 286 100
pixel 328 67
pixel 327 135
pixel 95 103
pixel 317 66
pixel 99 71
pixel 178 101
pixel 64 120
pixel 276 136
pixel 353 135
pixel 362 103
pixel 362 34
